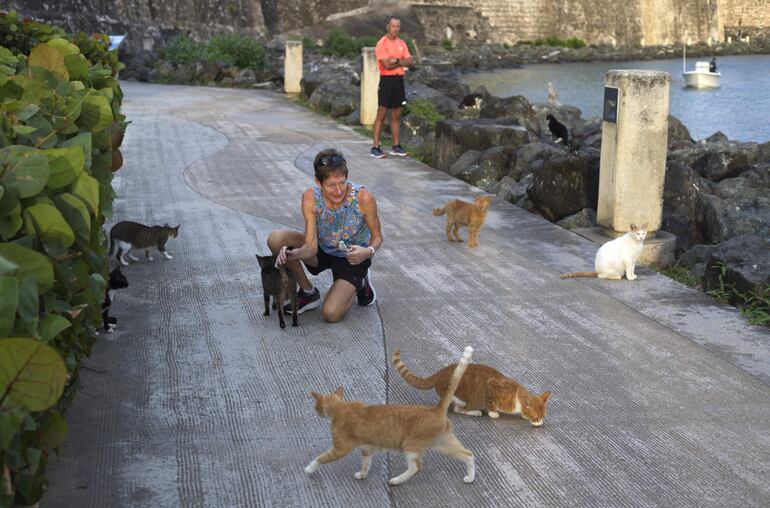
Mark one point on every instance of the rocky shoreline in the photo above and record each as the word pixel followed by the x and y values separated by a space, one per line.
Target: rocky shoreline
pixel 716 193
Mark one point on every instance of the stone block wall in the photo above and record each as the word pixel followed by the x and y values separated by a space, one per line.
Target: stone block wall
pixel 744 13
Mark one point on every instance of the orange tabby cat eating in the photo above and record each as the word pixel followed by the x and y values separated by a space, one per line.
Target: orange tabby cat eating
pixel 409 429
pixel 461 213
pixel 481 387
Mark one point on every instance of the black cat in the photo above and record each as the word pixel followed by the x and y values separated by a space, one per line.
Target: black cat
pixel 117 281
pixel 558 130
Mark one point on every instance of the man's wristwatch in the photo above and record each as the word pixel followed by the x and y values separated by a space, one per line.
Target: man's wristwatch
pixel 373 251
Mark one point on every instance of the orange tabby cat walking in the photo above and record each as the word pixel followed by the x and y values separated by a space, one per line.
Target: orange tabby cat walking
pixel 481 387
pixel 409 429
pixel 461 213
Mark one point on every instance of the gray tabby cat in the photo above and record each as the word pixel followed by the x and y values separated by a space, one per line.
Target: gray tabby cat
pixel 280 284
pixel 132 235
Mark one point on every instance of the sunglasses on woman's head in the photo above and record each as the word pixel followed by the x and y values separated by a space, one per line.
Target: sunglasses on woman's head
pixel 332 160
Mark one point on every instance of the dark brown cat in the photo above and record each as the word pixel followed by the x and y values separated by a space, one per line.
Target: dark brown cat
pixel 409 429
pixel 481 387
pixel 280 284
pixel 132 235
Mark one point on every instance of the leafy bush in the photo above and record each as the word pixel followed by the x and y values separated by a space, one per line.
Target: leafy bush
pixel 341 44
pixel 237 50
pixel 425 109
pixel 308 44
pixel 447 45
pixel 183 50
pixel 60 127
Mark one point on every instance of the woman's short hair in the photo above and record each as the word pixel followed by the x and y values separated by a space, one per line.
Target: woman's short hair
pixel 329 162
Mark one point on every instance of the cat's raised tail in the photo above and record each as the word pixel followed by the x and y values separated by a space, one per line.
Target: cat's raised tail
pixel 423 383
pixel 457 375
pixel 439 211
pixel 574 275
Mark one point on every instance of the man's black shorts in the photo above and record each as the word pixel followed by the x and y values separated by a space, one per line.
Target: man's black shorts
pixel 341 268
pixel 391 93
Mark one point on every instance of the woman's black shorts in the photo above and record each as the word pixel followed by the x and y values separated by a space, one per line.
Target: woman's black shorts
pixel 391 92
pixel 341 268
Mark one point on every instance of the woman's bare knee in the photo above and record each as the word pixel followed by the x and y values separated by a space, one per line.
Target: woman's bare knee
pixel 280 237
pixel 332 316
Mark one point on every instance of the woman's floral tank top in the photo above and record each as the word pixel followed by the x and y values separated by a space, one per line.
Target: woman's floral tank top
pixel 345 223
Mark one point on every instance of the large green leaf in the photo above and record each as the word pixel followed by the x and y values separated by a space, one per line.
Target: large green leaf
pixel 9 300
pixel 28 307
pixel 7 57
pixel 52 325
pixel 48 58
pixel 76 213
pixel 30 264
pixel 65 164
pixel 53 432
pixel 87 189
pixel 95 113
pixel 83 140
pixel 24 167
pixel 31 373
pixel 49 224
pixel 10 222
pixel 64 46
pixel 7 265
pixel 10 424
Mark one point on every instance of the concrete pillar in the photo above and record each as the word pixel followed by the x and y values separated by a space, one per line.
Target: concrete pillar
pixel 370 82
pixel 633 159
pixel 632 170
pixel 292 67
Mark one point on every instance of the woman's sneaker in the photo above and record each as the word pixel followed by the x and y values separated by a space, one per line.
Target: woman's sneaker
pixel 305 301
pixel 397 150
pixel 367 295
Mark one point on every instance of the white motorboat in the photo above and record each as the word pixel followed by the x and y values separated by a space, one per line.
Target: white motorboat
pixel 701 77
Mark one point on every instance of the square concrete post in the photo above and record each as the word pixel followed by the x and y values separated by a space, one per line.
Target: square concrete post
pixel 292 67
pixel 633 158
pixel 370 82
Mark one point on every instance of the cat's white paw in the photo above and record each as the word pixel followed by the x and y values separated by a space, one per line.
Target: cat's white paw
pixel 167 256
pixel 474 412
pixel 359 475
pixel 149 258
pixel 631 276
pixel 394 481
pixel 124 263
pixel 111 330
pixel 469 479
pixel 311 467
pixel 112 326
pixel 494 414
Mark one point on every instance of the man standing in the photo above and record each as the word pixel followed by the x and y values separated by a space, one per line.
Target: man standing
pixel 392 56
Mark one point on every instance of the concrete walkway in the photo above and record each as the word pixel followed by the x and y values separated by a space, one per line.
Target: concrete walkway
pixel 660 395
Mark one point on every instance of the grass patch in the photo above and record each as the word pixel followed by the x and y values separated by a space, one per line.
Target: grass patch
pixel 754 306
pixel 678 273
pixel 425 109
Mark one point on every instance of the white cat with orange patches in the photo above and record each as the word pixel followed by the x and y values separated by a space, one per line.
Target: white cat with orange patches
pixel 617 257
pixel 409 429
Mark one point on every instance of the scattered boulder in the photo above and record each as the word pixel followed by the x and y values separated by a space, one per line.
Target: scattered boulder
pixel 564 186
pixel 585 218
pixel 517 107
pixel 455 137
pixel 743 262
pixel 337 99
pixel 444 105
pixel 678 135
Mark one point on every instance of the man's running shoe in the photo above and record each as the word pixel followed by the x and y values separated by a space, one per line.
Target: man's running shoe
pixel 397 150
pixel 377 152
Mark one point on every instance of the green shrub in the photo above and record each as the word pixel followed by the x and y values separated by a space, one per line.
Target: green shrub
pixel 183 50
pixel 308 44
pixel 425 109
pixel 339 43
pixel 409 44
pixel 574 42
pixel 60 127
pixel 237 50
pixel 558 42
pixel 447 45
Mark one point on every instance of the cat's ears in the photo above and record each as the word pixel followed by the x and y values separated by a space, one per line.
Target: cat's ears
pixel 260 260
pixel 316 396
pixel 634 227
pixel 339 392
pixel 545 396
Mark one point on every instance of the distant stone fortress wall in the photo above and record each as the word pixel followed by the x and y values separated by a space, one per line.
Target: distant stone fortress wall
pixel 150 23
